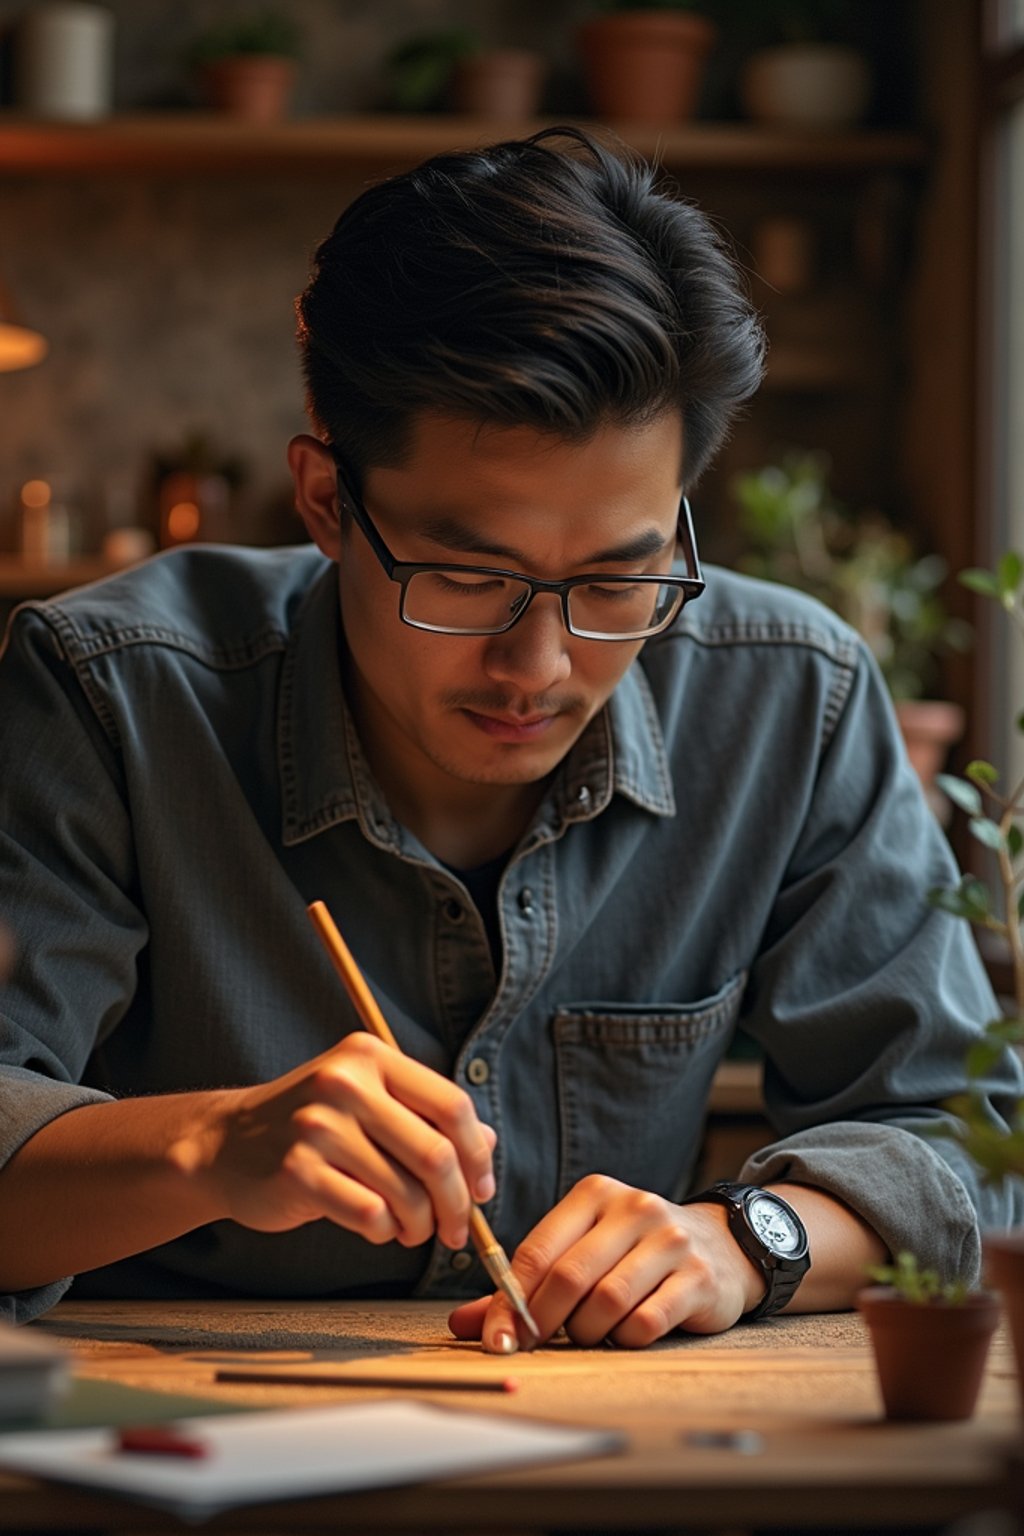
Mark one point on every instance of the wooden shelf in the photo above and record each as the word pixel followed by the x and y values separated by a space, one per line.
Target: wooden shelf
pixel 171 143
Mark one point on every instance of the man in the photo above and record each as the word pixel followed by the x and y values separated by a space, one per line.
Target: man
pixel 575 817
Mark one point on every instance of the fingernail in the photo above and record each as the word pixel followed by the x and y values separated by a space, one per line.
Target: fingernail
pixel 485 1187
pixel 505 1343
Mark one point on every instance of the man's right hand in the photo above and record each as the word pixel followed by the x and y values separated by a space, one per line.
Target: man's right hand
pixel 362 1136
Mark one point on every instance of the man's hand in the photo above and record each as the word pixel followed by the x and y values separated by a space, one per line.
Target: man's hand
pixel 619 1263
pixel 363 1136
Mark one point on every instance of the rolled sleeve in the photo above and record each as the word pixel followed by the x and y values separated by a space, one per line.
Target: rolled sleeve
pixel 866 1000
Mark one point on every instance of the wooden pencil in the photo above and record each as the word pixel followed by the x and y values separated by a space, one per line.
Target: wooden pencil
pixel 492 1255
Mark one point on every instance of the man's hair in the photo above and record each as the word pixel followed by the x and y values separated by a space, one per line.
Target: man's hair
pixel 543 282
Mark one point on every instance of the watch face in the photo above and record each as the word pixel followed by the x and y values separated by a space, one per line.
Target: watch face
pixel 774 1225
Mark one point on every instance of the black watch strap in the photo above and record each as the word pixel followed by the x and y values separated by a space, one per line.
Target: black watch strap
pixel 782 1272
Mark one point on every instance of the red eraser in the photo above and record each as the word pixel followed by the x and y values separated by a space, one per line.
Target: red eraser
pixel 159 1440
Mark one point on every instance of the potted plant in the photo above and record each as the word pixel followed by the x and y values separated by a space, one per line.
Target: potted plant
pixel 452 68
pixel 930 1340
pixel 996 819
pixel 870 573
pixel 643 60
pixel 805 74
pixel 248 67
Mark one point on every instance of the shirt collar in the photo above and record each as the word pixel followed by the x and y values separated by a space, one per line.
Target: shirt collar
pixel 325 778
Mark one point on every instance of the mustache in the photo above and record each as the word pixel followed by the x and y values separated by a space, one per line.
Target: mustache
pixel 489 702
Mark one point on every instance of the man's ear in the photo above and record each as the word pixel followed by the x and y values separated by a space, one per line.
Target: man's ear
pixel 316 492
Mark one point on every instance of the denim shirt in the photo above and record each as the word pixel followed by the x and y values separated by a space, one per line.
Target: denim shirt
pixel 736 839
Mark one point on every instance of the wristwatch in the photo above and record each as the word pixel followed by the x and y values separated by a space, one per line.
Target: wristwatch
pixel 770 1233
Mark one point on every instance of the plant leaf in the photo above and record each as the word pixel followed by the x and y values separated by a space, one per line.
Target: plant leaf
pixel 980 772
pixel 987 832
pixel 961 793
pixel 1008 573
pixel 980 581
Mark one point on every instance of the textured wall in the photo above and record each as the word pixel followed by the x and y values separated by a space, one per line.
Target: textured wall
pixel 168 303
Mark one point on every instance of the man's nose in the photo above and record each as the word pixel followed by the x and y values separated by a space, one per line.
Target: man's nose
pixel 534 653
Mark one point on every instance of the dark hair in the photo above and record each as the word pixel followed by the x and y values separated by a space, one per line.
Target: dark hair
pixel 542 282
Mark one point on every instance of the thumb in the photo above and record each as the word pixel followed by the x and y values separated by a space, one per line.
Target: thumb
pixel 467 1320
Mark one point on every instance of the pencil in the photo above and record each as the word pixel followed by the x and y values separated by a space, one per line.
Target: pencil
pixel 294 1378
pixel 492 1255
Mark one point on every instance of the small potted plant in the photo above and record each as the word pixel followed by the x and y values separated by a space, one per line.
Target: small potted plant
pixel 930 1339
pixel 248 67
pixel 452 68
pixel 996 819
pixel 871 574
pixel 643 60
pixel 805 74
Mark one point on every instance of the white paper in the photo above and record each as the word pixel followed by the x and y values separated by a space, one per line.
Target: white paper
pixel 300 1452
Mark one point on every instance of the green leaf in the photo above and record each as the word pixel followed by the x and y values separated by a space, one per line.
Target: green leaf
pixel 987 832
pixel 1014 841
pixel 961 793
pixel 982 1057
pixel 1008 573
pixel 980 772
pixel 980 581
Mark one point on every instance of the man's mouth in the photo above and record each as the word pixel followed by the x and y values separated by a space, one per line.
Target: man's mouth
pixel 504 727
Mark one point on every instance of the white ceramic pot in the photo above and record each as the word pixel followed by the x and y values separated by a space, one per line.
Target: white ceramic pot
pixel 806 85
pixel 64 61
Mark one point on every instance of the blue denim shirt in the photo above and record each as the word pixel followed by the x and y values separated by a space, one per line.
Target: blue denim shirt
pixel 736 839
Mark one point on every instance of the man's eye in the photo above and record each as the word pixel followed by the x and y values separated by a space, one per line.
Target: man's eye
pixel 468 585
pixel 618 592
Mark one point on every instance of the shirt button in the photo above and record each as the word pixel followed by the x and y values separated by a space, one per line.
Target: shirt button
pixel 526 901
pixel 462 1259
pixel 478 1071
pixel 453 910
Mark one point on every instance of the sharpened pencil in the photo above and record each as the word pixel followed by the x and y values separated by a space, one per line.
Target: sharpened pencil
pixel 294 1378
pixel 492 1255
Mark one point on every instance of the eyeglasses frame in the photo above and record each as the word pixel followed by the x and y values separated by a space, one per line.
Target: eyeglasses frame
pixel 402 571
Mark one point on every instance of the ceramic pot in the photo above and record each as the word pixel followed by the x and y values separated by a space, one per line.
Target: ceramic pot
pixel 499 82
pixel 257 86
pixel 645 66
pixel 930 1357
pixel 806 85
pixel 929 728
pixel 1004 1269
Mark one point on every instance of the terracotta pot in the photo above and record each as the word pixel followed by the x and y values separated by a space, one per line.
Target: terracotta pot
pixel 1004 1270
pixel 499 82
pixel 806 85
pixel 257 86
pixel 931 1357
pixel 929 728
pixel 645 66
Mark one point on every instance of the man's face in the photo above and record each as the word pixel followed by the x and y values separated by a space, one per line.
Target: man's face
pixel 500 709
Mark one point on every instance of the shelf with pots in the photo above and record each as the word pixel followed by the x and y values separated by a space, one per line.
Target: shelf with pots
pixel 211 143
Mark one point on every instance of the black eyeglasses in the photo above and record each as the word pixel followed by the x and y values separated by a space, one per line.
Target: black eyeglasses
pixel 481 600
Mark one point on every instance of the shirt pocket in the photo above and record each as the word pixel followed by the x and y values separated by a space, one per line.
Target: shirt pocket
pixel 633 1084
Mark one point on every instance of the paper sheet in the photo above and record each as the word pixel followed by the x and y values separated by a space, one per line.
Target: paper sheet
pixel 300 1452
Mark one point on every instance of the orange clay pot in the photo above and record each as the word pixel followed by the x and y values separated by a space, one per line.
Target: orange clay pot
pixel 930 1357
pixel 645 66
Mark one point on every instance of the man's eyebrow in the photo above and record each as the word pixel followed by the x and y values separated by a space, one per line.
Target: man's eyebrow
pixel 462 539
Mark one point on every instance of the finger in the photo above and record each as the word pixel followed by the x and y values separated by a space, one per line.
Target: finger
pixel 502 1331
pixel 421 1149
pixel 338 1198
pixel 343 1144
pixel 616 1293
pixel 343 1078
pixel 466 1321
pixel 682 1300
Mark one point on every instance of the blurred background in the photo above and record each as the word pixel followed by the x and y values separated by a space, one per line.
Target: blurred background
pixel 864 160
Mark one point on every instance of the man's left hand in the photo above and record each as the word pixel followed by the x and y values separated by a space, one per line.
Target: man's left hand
pixel 613 1262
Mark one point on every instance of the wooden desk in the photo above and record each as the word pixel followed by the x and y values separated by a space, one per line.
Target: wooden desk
pixel 805 1384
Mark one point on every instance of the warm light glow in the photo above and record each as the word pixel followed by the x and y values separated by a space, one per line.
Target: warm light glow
pixel 182 521
pixel 35 493
pixel 20 347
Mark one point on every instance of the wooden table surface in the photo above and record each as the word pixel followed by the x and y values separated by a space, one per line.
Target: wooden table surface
pixel 805 1385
